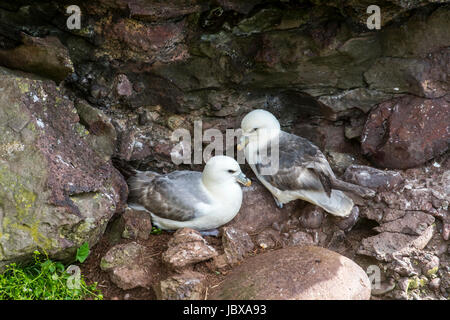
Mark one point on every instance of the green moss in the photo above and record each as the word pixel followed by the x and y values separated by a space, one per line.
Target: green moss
pixel 81 130
pixel 433 271
pixel 23 86
pixel 24 201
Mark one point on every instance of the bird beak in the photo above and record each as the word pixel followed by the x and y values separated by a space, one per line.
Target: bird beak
pixel 241 178
pixel 242 143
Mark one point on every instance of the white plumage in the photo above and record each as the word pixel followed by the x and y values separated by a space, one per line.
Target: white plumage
pixel 190 199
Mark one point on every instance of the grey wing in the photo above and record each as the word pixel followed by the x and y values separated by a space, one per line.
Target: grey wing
pixel 302 166
pixel 172 196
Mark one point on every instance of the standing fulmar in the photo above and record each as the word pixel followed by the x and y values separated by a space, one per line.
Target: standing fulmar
pixel 202 201
pixel 299 168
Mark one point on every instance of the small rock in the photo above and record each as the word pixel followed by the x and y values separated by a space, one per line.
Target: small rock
pixel 429 264
pixel 413 223
pixel 236 244
pixel 300 238
pixel 120 255
pixel 387 244
pixel 102 134
pixel 404 267
pixel 187 247
pixel 268 238
pixel 373 178
pixel 189 285
pixel 403 284
pixel 128 266
pixel 312 217
pixel 339 161
pixel 446 231
pixel 137 224
pixel 295 273
pixel 124 87
pixel 435 284
pixel 130 276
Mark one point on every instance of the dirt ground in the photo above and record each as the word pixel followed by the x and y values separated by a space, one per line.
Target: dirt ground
pixel 157 244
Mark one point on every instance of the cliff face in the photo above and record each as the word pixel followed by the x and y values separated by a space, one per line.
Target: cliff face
pixel 154 66
pixel 137 70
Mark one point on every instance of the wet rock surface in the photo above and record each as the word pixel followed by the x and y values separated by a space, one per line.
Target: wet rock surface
pixel 295 273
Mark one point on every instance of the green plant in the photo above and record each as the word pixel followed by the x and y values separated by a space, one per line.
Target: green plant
pixel 44 279
pixel 82 252
pixel 155 230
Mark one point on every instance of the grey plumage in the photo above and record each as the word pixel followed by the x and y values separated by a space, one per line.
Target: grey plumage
pixel 303 171
pixel 303 166
pixel 171 196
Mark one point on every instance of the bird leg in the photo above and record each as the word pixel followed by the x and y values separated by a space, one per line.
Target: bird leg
pixel 279 204
pixel 211 233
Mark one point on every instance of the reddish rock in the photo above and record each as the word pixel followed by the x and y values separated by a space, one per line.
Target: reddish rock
pixel 259 211
pixel 128 266
pixel 386 245
pixel 311 217
pixel 236 244
pixel 47 57
pixel 137 224
pixel 123 87
pixel 268 238
pixel 413 223
pixel 136 40
pixel 187 247
pixel 300 238
pixel 56 192
pixel 189 285
pixel 156 10
pixel 295 273
pixel 407 132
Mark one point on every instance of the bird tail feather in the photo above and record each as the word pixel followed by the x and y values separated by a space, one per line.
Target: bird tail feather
pixel 346 186
pixel 338 203
pixel 138 184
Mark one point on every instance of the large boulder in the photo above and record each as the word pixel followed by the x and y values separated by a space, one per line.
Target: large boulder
pixel 55 191
pixel 259 211
pixel 406 132
pixel 295 273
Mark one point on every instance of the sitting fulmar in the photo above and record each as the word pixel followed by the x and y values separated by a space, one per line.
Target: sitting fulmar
pixel 189 199
pixel 302 171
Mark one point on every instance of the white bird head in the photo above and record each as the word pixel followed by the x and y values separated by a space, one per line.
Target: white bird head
pixel 259 127
pixel 222 169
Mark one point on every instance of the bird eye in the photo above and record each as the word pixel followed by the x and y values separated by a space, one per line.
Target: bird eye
pixel 231 171
pixel 254 129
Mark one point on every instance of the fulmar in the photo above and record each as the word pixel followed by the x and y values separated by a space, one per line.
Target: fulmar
pixel 299 169
pixel 202 201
